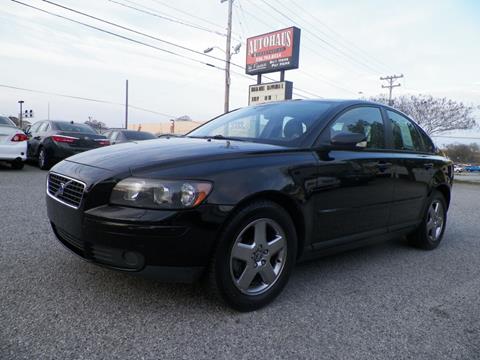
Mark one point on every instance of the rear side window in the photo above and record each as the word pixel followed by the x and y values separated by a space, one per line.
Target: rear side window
pixel 405 133
pixel 74 127
pixel 363 120
pixel 138 135
pixel 427 143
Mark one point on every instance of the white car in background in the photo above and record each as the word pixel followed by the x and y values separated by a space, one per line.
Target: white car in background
pixel 13 143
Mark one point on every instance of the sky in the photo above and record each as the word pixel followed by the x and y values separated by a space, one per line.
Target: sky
pixel 346 46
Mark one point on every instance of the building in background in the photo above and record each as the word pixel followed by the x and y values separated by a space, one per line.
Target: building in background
pixel 178 126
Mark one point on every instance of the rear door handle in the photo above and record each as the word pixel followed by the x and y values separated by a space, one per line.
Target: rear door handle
pixel 37 137
pixel 428 166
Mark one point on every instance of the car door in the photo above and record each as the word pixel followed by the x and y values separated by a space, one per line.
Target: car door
pixel 34 139
pixel 354 186
pixel 415 165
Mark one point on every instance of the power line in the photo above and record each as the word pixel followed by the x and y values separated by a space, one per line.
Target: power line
pixel 84 99
pixel 152 12
pixel 134 40
pixel 189 14
pixel 311 49
pixel 122 27
pixel 137 32
pixel 113 34
pixel 347 43
pixel 322 40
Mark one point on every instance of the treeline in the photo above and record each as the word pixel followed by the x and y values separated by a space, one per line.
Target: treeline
pixel 463 153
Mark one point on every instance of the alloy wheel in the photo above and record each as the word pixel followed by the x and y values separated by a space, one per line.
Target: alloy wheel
pixel 435 221
pixel 258 256
pixel 41 158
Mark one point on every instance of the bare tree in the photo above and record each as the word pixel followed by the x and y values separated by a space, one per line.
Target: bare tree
pixel 98 126
pixel 434 115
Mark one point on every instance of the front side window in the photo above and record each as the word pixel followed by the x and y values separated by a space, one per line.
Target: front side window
pixel 44 127
pixel 362 120
pixel 35 127
pixel 405 134
pixel 278 123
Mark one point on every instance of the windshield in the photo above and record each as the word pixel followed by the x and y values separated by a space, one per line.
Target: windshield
pixel 138 135
pixel 284 123
pixel 66 126
pixel 6 121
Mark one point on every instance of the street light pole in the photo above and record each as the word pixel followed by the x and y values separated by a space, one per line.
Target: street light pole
pixel 126 104
pixel 228 55
pixel 20 118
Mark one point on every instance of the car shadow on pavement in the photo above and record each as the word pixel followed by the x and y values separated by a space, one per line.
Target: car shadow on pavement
pixel 126 290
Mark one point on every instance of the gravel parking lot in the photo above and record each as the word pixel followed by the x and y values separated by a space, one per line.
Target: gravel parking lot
pixel 387 301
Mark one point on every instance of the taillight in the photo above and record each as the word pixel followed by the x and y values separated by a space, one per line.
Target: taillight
pixel 19 137
pixel 103 142
pixel 64 139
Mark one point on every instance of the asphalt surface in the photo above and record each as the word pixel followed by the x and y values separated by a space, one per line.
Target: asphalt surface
pixel 387 301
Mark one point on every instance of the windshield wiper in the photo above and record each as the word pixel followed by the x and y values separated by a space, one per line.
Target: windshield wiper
pixel 218 137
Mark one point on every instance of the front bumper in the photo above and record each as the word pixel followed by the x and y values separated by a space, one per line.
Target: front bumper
pixel 14 151
pixel 166 245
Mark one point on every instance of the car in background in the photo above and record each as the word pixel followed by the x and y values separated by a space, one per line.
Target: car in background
pixel 458 168
pixel 118 136
pixel 13 143
pixel 472 168
pixel 51 141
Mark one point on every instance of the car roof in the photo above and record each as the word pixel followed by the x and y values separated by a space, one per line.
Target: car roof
pixel 345 102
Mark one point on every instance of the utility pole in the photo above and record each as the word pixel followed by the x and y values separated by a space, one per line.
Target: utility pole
pixel 126 104
pixel 391 85
pixel 20 118
pixel 228 55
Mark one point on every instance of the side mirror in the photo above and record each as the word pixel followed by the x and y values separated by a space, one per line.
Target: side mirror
pixel 349 140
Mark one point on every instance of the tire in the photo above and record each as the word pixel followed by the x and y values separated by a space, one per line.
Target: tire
pixel 430 232
pixel 254 257
pixel 44 162
pixel 17 165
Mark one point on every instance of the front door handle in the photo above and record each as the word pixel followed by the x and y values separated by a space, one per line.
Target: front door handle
pixel 428 166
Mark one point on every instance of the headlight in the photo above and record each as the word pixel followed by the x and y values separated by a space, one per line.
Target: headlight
pixel 160 194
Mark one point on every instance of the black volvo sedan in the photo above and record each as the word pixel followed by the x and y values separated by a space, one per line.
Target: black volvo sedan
pixel 244 197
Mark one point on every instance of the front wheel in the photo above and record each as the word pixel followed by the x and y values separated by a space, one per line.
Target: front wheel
pixel 430 232
pixel 255 256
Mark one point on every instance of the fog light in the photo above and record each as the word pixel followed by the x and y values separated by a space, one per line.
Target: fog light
pixel 131 258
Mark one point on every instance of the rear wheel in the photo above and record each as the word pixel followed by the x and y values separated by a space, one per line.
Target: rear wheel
pixel 255 256
pixel 430 232
pixel 44 161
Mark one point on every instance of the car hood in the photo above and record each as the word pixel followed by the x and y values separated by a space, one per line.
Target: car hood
pixel 166 152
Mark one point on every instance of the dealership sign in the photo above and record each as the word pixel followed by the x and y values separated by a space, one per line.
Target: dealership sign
pixel 276 91
pixel 274 51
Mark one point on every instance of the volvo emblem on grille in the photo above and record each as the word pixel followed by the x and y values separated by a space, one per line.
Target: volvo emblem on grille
pixel 62 187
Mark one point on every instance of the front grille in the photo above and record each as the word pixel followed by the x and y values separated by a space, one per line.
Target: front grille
pixel 66 190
